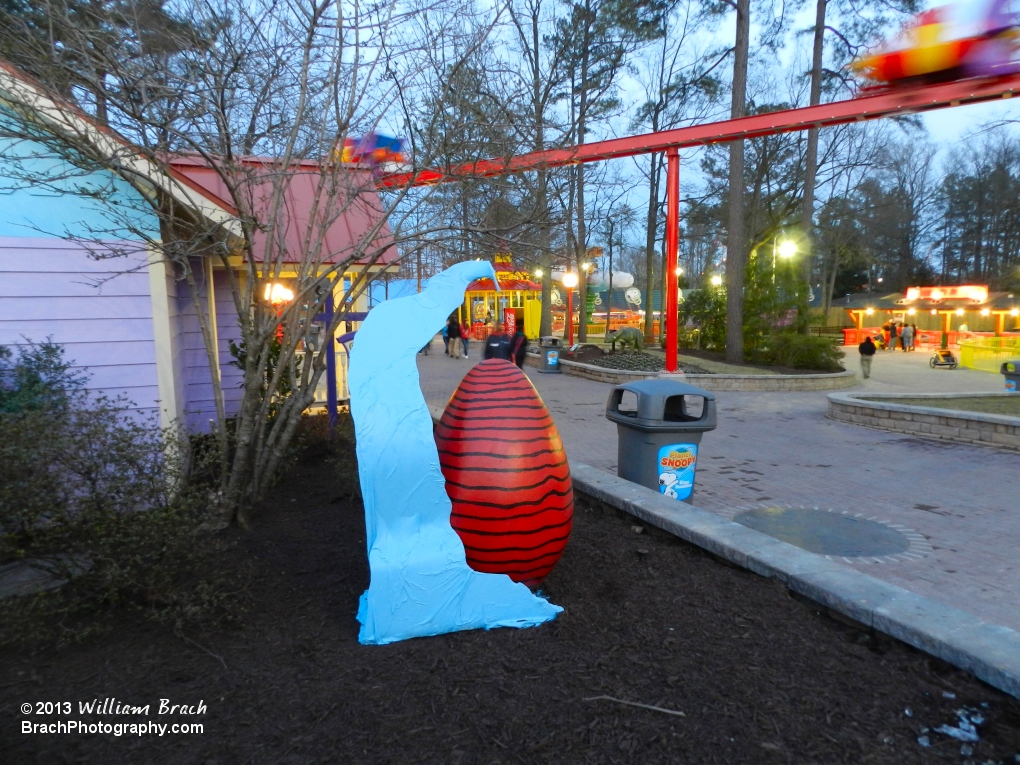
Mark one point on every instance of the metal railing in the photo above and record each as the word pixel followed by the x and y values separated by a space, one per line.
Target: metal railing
pixel 988 353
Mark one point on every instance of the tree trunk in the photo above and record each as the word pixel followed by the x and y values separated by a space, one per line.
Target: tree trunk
pixel 736 249
pixel 811 158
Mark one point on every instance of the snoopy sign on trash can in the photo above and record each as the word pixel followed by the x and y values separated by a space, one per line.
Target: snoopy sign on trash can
pixel 660 423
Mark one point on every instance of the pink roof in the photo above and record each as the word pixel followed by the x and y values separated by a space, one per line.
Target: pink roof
pixel 351 222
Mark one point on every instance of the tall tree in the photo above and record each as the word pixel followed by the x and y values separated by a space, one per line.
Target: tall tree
pixel 736 248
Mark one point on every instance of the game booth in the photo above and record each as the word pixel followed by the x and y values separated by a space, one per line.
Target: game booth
pixel 517 303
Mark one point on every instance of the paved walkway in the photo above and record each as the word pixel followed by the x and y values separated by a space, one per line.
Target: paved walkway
pixel 781 449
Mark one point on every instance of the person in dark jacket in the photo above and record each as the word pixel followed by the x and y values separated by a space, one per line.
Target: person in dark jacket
pixel 519 347
pixel 498 344
pixel 867 350
pixel 453 336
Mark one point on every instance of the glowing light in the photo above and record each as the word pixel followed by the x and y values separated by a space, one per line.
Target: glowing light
pixel 869 311
pixel 1015 312
pixel 586 267
pixel 569 280
pixel 277 293
pixel 880 280
pixel 936 294
pixel 787 249
pixel 911 311
pixel 986 312
pixel 716 281
pixel 959 312
pixel 933 312
pixel 913 293
pixel 679 271
pixel 538 273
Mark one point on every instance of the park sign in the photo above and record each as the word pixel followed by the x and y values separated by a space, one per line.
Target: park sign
pixel 977 293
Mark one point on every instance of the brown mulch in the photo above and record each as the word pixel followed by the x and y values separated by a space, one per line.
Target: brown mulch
pixel 759 676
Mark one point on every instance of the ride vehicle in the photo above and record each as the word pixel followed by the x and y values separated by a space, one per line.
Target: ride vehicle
pixel 973 39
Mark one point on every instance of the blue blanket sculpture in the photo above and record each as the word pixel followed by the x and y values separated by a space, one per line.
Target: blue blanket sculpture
pixel 421 583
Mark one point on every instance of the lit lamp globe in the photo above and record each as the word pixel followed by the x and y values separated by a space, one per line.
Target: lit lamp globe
pixel 787 249
pixel 570 280
pixel 716 281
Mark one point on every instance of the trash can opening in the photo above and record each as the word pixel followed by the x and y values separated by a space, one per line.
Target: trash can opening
pixel 625 403
pixel 684 408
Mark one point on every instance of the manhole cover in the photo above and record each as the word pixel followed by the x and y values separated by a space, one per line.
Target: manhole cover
pixel 826 533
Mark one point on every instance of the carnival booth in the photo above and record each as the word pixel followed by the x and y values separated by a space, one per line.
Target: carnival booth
pixel 945 316
pixel 517 303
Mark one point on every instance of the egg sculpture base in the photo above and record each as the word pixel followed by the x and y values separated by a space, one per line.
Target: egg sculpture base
pixel 421 583
pixel 506 473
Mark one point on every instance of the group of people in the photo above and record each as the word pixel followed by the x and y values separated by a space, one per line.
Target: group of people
pixel 899 335
pixel 498 345
pixel 454 331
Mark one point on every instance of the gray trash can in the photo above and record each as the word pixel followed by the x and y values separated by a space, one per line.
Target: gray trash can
pixel 660 423
pixel 1011 371
pixel 550 349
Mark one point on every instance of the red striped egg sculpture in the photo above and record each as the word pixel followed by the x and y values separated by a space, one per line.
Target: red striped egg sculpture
pixel 506 474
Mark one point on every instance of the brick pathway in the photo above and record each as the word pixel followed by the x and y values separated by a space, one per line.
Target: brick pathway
pixel 779 448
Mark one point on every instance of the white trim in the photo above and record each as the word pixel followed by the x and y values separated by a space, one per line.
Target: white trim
pixel 169 400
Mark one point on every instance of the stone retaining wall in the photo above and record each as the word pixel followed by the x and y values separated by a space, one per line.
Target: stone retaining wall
pixel 736 383
pixel 930 422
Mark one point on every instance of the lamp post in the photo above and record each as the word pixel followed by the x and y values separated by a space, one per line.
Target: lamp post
pixel 570 281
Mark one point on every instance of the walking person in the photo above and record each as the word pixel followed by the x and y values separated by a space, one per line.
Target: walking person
pixel 446 339
pixel 497 346
pixel 465 335
pixel 453 333
pixel 867 351
pixel 519 347
pixel 907 333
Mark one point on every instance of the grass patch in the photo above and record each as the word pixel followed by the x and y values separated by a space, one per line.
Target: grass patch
pixel 991 405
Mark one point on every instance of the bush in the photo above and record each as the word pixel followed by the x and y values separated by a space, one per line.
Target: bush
pixel 95 495
pixel 790 349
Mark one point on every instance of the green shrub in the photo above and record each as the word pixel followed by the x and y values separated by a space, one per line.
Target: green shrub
pixel 791 349
pixel 95 495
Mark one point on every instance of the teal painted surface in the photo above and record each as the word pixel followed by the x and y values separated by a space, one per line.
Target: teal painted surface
pixel 42 195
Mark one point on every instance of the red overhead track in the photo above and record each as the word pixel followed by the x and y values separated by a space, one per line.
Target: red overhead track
pixel 890 103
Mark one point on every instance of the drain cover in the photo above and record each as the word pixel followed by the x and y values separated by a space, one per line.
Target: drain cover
pixel 825 533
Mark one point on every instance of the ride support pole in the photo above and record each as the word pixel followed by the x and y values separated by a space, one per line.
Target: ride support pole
pixel 669 302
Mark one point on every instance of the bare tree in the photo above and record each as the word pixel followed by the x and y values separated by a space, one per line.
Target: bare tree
pixel 287 80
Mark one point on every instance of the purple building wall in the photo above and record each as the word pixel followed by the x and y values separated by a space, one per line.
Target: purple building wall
pixel 200 405
pixel 99 310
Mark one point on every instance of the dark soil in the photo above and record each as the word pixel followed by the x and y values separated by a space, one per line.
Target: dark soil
pixel 721 357
pixel 759 676
pixel 636 361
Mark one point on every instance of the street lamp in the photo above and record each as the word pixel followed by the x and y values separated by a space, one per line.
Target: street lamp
pixel 570 281
pixel 787 249
pixel 538 273
pixel 716 281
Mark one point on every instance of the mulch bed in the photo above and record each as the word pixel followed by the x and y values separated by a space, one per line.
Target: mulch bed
pixel 721 357
pixel 641 362
pixel 759 676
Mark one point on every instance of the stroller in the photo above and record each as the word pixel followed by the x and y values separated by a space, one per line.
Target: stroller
pixel 943 358
pixel 879 341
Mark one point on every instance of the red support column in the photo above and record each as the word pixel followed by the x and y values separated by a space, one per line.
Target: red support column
pixel 570 316
pixel 669 302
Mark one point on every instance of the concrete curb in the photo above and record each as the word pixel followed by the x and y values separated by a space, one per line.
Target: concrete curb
pixel 996 430
pixel 990 651
pixel 733 383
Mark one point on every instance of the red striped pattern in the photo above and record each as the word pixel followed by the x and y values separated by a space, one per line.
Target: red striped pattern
pixel 506 474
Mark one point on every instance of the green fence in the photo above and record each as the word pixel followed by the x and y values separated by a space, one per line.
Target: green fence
pixel 988 353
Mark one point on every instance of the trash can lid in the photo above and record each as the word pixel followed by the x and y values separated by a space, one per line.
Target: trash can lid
pixel 664 388
pixel 1010 367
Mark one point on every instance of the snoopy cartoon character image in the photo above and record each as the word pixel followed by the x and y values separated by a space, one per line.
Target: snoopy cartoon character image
pixel 667 484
